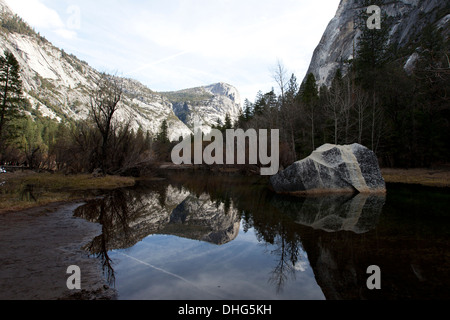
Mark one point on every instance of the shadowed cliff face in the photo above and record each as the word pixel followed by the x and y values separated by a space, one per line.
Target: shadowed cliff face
pixel 406 20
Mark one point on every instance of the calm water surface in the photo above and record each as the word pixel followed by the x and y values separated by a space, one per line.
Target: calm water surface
pixel 199 236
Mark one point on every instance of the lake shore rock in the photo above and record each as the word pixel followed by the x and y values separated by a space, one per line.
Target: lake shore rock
pixel 332 169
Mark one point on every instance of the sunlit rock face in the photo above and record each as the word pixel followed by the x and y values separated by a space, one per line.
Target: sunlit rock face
pixel 206 106
pixel 332 169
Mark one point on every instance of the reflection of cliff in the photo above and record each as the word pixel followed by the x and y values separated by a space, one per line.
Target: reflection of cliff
pixel 358 214
pixel 130 215
pixel 200 219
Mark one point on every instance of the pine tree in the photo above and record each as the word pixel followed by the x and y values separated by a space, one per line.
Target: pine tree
pixel 163 135
pixel 309 95
pixel 258 107
pixel 248 110
pixel 292 90
pixel 309 92
pixel 371 58
pixel 11 100
pixel 371 53
pixel 228 125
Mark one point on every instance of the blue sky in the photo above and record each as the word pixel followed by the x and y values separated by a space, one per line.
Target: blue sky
pixel 176 44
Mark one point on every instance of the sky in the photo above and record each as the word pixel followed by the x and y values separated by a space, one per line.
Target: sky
pixel 170 45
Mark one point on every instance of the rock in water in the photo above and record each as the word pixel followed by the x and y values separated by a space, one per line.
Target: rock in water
pixel 331 169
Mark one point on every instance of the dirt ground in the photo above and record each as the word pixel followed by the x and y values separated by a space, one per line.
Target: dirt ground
pixel 36 248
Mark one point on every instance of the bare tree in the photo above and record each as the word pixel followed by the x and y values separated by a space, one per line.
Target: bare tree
pixel 336 102
pixel 341 100
pixel 104 104
pixel 361 105
pixel 377 122
pixel 281 78
pixel 289 112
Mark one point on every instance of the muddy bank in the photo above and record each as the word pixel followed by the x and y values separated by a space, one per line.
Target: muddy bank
pixel 36 248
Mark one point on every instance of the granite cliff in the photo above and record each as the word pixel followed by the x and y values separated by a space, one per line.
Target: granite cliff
pixel 404 19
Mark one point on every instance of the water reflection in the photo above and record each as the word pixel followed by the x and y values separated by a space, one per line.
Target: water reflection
pixel 343 212
pixel 130 215
pixel 253 244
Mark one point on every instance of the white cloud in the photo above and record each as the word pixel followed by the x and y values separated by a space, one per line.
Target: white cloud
pixel 232 33
pixel 174 44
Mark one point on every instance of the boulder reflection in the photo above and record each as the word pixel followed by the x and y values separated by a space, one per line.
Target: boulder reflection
pixel 342 212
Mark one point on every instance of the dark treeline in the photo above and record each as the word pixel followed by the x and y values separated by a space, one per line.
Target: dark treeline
pixel 402 115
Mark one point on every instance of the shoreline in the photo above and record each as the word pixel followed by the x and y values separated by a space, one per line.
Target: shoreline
pixel 89 184
pixel 27 190
pixel 39 244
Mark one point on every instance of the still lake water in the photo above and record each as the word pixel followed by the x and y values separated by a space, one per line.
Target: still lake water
pixel 194 236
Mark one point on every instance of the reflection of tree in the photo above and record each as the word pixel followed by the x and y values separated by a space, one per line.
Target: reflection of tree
pixel 114 214
pixel 284 268
pixel 287 250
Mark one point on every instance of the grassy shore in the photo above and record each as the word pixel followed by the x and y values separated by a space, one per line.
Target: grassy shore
pixel 24 190
pixel 424 177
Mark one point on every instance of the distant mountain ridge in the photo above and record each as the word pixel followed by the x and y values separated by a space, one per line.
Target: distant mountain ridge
pixel 206 105
pixel 58 85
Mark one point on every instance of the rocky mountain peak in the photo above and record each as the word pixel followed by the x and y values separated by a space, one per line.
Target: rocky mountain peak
pixel 209 105
pixel 224 89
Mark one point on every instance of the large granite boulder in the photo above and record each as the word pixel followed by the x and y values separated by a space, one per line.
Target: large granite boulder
pixel 331 169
